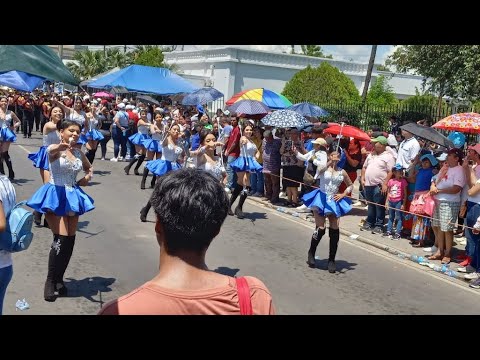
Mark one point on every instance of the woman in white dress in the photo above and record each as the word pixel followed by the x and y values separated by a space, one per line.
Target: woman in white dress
pixel 204 157
pixel 8 123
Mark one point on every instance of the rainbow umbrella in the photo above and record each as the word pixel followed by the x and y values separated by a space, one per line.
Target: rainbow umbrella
pixel 270 98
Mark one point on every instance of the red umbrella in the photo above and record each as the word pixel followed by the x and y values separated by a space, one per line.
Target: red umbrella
pixel 347 130
pixel 103 94
pixel 462 122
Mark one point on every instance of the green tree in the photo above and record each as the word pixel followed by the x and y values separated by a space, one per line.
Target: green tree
pixel 381 93
pixel 314 50
pixel 115 57
pixel 383 68
pixel 152 55
pixel 319 85
pixel 89 63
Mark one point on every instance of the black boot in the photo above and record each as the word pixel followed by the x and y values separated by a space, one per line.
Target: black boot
pixel 49 289
pixel 140 161
pixel 37 218
pixel 144 211
pixel 130 164
pixel 2 170
pixel 11 174
pixel 239 208
pixel 144 178
pixel 154 180
pixel 45 223
pixel 316 237
pixel 91 155
pixel 334 238
pixel 68 243
pixel 236 191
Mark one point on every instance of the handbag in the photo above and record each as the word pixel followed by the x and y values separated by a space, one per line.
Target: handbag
pixel 244 299
pixel 307 177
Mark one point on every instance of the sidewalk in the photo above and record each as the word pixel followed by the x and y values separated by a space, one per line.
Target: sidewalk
pixel 350 226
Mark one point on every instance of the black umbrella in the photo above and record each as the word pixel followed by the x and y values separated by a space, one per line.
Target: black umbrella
pixel 148 99
pixel 428 134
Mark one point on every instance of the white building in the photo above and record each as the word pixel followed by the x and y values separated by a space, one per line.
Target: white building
pixel 231 70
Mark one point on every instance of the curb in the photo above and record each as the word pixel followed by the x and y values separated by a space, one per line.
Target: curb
pixel 391 250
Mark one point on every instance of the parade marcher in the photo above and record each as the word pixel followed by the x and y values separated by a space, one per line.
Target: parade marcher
pixel 204 157
pixel 243 166
pixel 51 135
pixel 184 284
pixel 62 201
pixel 106 121
pixel 93 135
pixel 327 202
pixel 171 154
pixel 137 139
pixel 7 202
pixel 153 146
pixel 75 114
pixel 8 123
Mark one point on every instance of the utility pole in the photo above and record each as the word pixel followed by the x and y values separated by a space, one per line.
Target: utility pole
pixel 293 49
pixel 124 49
pixel 369 72
pixel 104 50
pixel 60 51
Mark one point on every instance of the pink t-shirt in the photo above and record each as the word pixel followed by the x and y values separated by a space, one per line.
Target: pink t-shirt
pixel 396 189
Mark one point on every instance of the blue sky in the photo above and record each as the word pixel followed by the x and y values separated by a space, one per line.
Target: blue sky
pixel 357 53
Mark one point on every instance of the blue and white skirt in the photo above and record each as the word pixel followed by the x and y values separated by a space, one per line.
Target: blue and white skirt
pixel 248 164
pixel 152 145
pixel 326 205
pixel 40 158
pixel 61 200
pixel 82 139
pixel 95 135
pixel 160 167
pixel 7 135
pixel 138 139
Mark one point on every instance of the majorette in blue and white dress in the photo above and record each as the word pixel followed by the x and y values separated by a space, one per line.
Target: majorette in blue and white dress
pixel 153 143
pixel 40 158
pixel 61 195
pixel 6 134
pixel 80 120
pixel 93 133
pixel 217 169
pixel 322 199
pixel 141 135
pixel 168 162
pixel 246 161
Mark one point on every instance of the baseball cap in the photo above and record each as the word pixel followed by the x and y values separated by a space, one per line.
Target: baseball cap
pixel 397 167
pixel 125 100
pixel 442 157
pixel 121 105
pixel 380 139
pixel 475 148
pixel 392 141
pixel 431 158
pixel 320 141
pixel 457 138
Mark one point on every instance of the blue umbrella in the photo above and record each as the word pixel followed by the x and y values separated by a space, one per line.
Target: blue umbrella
pixel 249 107
pixel 285 119
pixel 308 109
pixel 202 96
pixel 20 80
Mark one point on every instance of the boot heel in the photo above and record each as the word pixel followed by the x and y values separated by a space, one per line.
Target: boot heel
pixel 49 291
pixel 311 260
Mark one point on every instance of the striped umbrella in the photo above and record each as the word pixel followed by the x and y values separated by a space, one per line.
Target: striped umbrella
pixel 270 98
pixel 249 107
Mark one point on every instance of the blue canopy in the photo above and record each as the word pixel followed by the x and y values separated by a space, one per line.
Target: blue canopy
pixel 145 79
pixel 20 80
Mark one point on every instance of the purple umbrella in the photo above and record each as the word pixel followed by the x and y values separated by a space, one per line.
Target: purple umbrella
pixel 249 107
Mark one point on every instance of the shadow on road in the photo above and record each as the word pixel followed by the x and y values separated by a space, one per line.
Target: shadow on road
pixel 255 216
pixel 102 172
pixel 89 287
pixel 342 265
pixel 226 271
pixel 21 181
pixel 91 183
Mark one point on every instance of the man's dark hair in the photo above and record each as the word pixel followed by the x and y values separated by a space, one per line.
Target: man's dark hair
pixel 191 205
pixel 375 128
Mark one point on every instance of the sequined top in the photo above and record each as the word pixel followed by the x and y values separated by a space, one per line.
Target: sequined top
pixel 7 122
pixel 216 169
pixel 53 137
pixel 248 150
pixel 330 182
pixel 63 172
pixel 78 118
pixel 143 129
pixel 92 124
pixel 171 152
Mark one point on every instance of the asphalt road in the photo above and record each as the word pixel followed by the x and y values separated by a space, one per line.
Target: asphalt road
pixel 115 253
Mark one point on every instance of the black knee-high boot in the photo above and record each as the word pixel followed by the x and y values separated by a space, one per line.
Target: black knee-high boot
pixel 236 191
pixel 316 237
pixel 37 218
pixel 91 155
pixel 130 164
pixel 144 178
pixel 49 289
pixel 239 208
pixel 144 211
pixel 68 243
pixel 154 180
pixel 334 238
pixel 8 161
pixel 140 161
pixel 2 170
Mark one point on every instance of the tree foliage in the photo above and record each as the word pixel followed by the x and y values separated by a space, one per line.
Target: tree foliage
pixel 321 84
pixel 450 70
pixel 151 55
pixel 314 50
pixel 381 93
pixel 383 68
pixel 90 63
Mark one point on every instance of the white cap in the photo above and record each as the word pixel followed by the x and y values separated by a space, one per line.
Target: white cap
pixel 125 100
pixel 129 107
pixel 121 105
pixel 392 141
pixel 86 97
pixel 159 109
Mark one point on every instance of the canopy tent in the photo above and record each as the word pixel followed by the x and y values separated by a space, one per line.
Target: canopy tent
pixel 20 80
pixel 38 60
pixel 145 79
pixel 86 83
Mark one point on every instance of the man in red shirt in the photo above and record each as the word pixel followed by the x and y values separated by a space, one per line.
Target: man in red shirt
pixel 232 152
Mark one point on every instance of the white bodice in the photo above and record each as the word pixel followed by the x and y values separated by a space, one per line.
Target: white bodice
pixel 63 172
pixel 171 152
pixel 248 150
pixel 92 124
pixel 143 129
pixel 78 118
pixel 329 183
pixel 216 169
pixel 53 137
pixel 7 122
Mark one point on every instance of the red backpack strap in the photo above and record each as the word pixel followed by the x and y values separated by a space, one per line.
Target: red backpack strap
pixel 244 299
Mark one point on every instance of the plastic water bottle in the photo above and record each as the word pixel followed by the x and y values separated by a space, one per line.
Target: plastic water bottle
pixel 414 258
pixel 295 214
pixel 420 259
pixel 437 268
pixel 451 273
pixel 445 268
pixel 280 209
pixel 401 256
